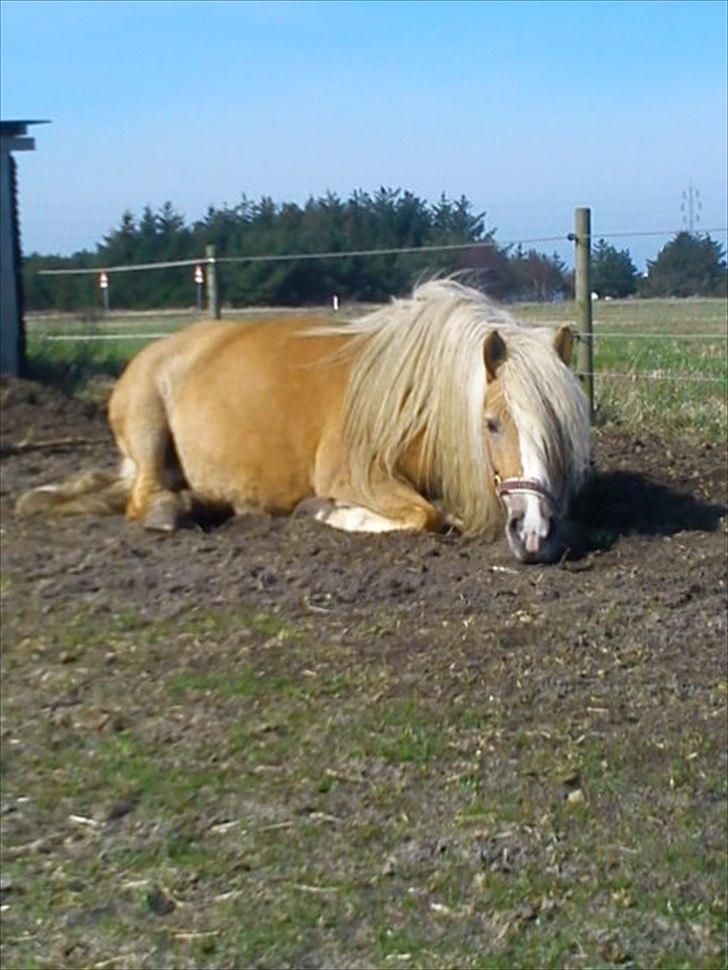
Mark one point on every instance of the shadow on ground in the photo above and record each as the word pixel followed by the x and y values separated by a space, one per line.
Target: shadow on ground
pixel 618 504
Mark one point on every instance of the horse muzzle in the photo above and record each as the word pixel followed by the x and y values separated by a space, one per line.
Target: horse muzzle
pixel 533 516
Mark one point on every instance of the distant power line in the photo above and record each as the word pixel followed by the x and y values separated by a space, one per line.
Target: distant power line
pixel 654 232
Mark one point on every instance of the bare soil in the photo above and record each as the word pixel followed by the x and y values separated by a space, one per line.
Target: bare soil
pixel 623 644
pixel 651 530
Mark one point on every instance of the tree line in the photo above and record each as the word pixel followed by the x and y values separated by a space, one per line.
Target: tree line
pixel 386 219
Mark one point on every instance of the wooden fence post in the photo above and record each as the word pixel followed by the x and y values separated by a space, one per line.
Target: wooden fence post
pixel 585 349
pixel 213 300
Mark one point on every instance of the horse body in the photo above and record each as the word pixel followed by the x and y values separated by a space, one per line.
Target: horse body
pixel 437 409
pixel 247 419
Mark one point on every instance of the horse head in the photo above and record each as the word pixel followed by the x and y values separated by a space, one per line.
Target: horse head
pixel 536 441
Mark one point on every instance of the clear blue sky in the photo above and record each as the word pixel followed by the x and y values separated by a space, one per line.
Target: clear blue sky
pixel 528 109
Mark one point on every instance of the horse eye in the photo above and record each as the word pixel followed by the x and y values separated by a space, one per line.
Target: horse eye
pixel 492 425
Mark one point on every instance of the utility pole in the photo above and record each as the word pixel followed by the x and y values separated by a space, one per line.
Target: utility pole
pixel 691 207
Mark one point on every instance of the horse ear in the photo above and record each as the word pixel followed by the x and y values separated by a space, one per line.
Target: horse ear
pixel 494 353
pixel 564 343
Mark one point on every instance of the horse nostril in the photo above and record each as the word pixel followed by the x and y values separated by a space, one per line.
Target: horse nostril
pixel 515 521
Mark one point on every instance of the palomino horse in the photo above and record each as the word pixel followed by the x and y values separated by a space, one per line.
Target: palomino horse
pixel 439 409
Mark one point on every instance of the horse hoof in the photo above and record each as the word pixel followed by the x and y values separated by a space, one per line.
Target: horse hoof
pixel 163 516
pixel 313 507
pixel 156 522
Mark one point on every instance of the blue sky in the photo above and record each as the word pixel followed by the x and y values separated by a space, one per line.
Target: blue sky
pixel 527 108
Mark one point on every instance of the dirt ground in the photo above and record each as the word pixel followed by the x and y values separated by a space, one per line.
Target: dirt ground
pixel 623 642
pixel 652 533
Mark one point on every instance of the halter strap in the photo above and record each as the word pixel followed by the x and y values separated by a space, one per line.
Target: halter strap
pixel 510 486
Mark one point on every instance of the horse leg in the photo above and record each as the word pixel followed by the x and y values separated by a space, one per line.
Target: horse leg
pixel 392 505
pixel 388 504
pixel 145 441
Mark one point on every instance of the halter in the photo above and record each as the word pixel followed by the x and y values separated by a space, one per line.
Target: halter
pixel 524 486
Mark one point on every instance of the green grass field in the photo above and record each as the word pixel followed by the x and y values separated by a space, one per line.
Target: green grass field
pixel 660 364
pixel 323 802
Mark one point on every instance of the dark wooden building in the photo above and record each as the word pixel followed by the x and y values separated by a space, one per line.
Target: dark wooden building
pixel 13 138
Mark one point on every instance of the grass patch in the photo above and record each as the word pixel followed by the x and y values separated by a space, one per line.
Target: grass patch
pixel 71 366
pixel 407 732
pixel 660 364
pixel 245 683
pixel 275 797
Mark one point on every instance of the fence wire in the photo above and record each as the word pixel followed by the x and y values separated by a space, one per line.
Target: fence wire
pixel 643 375
pixel 350 253
pixel 409 250
pixel 595 375
pixel 577 336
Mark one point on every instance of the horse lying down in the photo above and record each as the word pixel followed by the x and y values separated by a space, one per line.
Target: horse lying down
pixel 436 410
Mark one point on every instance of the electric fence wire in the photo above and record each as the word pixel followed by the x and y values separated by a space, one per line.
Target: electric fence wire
pixel 349 253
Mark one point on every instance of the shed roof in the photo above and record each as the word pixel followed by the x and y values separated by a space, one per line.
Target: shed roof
pixel 12 128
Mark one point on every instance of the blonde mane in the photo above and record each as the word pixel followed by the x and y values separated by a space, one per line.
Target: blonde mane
pixel 418 373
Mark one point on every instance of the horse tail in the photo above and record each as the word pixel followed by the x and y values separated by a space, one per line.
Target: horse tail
pixel 91 492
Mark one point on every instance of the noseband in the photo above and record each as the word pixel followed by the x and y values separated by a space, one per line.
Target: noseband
pixel 525 486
